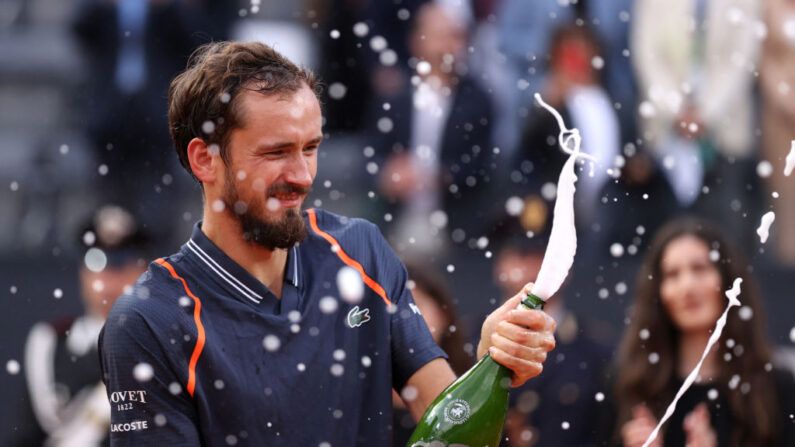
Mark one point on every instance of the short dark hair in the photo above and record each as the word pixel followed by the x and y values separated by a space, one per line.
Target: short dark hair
pixel 203 100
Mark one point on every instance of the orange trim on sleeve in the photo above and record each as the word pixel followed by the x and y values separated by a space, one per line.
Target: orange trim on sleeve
pixel 347 259
pixel 199 327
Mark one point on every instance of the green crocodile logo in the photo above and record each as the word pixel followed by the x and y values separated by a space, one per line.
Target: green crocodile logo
pixel 358 317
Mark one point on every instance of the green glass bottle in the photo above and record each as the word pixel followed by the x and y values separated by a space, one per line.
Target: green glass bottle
pixel 471 411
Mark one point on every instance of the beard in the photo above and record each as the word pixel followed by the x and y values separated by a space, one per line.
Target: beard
pixel 280 232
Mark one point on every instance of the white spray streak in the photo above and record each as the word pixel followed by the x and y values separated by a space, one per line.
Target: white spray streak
pixel 563 238
pixel 733 301
pixel 764 228
pixel 790 160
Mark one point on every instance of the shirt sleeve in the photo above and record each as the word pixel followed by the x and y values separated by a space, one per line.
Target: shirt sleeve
pixel 149 402
pixel 412 343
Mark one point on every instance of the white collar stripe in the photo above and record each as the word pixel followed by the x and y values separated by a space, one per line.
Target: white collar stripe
pixel 223 271
pixel 295 264
pixel 226 276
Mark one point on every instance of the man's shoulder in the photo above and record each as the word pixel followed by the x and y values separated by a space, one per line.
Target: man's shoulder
pixel 324 224
pixel 155 296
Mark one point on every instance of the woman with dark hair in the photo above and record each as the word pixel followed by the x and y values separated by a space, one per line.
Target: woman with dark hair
pixel 740 399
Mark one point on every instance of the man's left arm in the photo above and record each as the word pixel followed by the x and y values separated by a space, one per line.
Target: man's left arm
pixel 517 338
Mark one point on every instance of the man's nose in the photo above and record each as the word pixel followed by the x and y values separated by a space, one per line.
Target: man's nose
pixel 300 172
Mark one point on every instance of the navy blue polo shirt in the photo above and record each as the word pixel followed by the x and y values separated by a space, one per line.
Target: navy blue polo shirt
pixel 199 352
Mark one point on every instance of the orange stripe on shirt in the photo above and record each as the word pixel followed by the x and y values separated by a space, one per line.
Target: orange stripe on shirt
pixel 347 259
pixel 197 351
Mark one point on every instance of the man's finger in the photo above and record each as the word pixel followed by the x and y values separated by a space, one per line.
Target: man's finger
pixel 534 319
pixel 527 337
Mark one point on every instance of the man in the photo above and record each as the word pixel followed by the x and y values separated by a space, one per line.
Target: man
pixel 68 403
pixel 436 157
pixel 245 335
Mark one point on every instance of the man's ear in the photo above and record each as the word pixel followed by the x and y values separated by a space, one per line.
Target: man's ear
pixel 202 160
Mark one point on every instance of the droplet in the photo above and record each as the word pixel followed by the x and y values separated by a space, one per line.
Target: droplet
pixel 13 367
pixel 423 68
pixel 350 285
pixel 360 29
pixel 338 355
pixel 565 425
pixel 712 394
pixel 208 127
pixel 337 370
pixel 409 393
pixel 57 293
pixel 366 361
pixel 95 260
pixel 514 206
pixel 174 388
pixel 792 335
pixel 384 124
pixel 218 384
pixel 597 62
pixel 616 250
pixel 271 343
pixel 745 313
pixel 450 268
pixel 714 255
pixel 644 334
pixel 621 288
pixel 334 34
pixel 764 169
pixel 328 304
pixel 143 372
pixel 654 358
pixel 337 90
pixel 160 420
pixel 599 396
pixel 378 43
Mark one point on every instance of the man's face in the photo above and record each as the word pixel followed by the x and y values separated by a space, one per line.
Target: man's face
pixel 272 162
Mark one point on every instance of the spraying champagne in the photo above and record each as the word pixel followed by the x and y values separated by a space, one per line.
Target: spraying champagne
pixel 471 412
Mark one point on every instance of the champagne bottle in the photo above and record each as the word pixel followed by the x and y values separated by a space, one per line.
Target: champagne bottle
pixel 471 411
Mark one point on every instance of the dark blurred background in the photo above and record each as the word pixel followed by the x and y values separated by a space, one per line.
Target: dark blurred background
pixel 432 134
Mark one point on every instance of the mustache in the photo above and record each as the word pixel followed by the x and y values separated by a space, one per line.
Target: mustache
pixel 286 188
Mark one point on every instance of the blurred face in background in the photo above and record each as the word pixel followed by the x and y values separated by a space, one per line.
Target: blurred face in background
pixel 690 286
pixel 100 289
pixel 572 58
pixel 439 38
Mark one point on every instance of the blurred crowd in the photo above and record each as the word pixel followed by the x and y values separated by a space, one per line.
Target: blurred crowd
pixel 433 134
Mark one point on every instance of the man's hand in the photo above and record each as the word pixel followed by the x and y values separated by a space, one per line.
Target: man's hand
pixel 518 339
pixel 637 430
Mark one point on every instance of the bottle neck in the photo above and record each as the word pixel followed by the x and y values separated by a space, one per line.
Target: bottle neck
pixel 533 302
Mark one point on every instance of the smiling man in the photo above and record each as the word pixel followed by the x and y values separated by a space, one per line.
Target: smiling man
pixel 244 336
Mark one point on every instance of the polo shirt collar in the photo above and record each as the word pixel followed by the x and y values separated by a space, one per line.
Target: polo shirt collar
pixel 230 273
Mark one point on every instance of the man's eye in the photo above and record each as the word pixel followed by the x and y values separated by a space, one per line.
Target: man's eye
pixel 310 148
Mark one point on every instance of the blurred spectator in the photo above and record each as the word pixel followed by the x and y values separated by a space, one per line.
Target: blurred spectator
pixel 574 87
pixel 434 139
pixel 777 76
pixel 134 48
pixel 695 61
pixel 557 408
pixel 68 405
pixel 432 297
pixel 364 43
pixel 740 398
pixel 525 33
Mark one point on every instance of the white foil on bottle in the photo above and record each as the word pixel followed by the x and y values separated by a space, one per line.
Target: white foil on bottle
pixel 764 228
pixel 563 238
pixel 733 301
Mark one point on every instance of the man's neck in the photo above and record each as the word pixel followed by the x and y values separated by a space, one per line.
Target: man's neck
pixel 268 266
